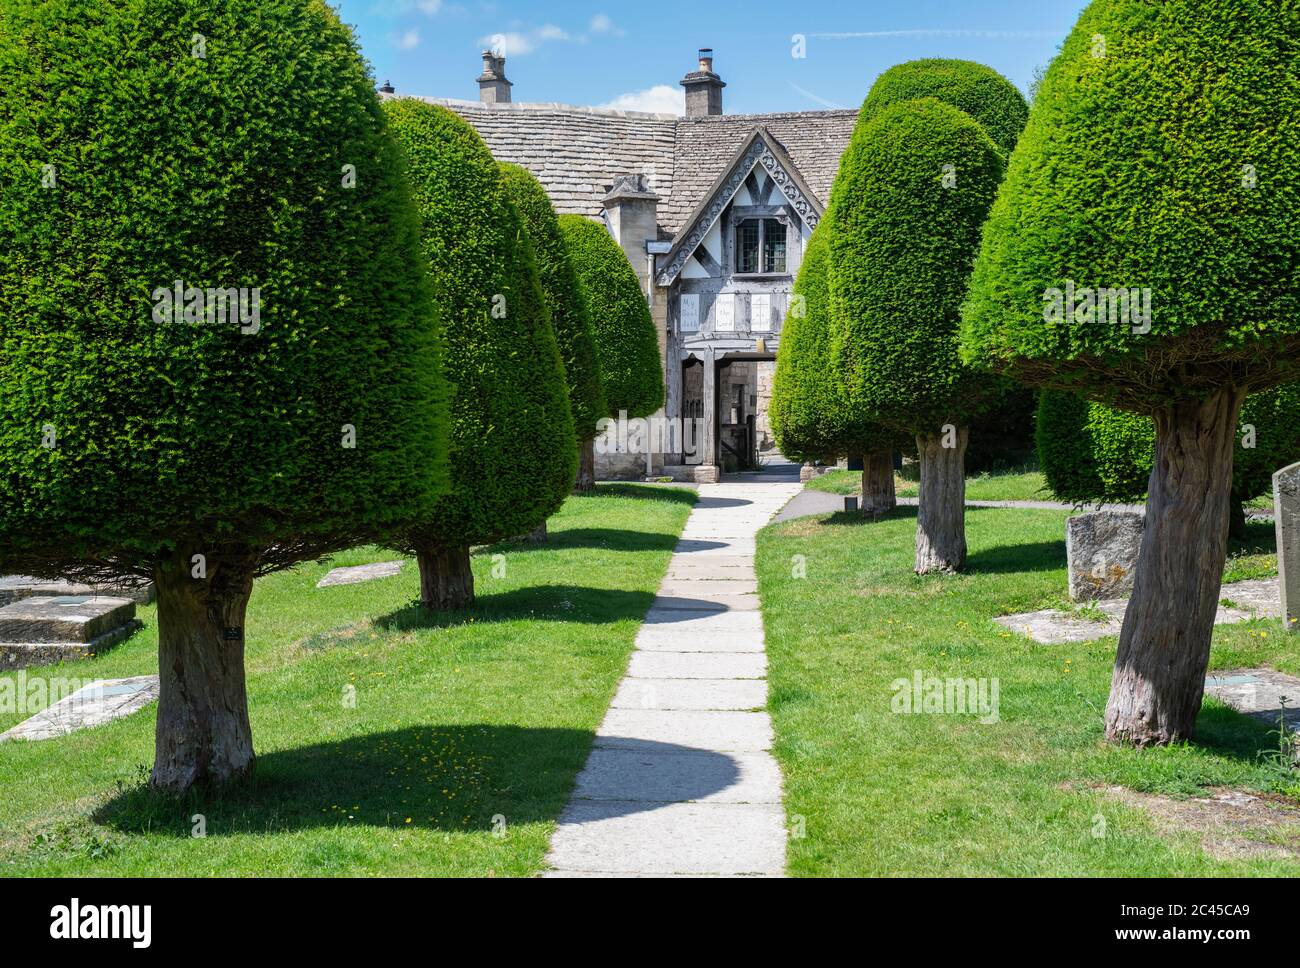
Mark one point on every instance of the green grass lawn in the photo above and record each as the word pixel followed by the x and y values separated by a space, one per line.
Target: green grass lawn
pixel 457 720
pixel 1015 486
pixel 884 793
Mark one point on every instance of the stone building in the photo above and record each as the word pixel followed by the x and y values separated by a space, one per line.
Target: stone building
pixel 714 212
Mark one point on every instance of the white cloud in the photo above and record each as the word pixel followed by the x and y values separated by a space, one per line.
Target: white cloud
pixel 602 24
pixel 551 32
pixel 510 44
pixel 660 99
pixel 407 40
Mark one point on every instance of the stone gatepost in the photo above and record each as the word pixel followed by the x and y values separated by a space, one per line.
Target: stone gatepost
pixel 1286 519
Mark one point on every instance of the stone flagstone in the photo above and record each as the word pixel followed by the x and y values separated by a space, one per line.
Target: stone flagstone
pixel 98 703
pixel 1245 600
pixel 361 573
pixel 1258 693
pixel 681 780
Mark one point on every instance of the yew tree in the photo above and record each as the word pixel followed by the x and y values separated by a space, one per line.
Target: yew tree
pixel 1156 185
pixel 220 349
pixel 977 89
pixel 627 344
pixel 906 211
pixel 513 452
pixel 570 314
pixel 1092 453
pixel 809 412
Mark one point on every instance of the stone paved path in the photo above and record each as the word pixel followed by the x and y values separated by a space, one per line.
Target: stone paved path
pixel 681 779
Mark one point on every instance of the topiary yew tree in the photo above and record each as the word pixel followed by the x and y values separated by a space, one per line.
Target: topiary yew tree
pixel 513 456
pixel 906 210
pixel 808 410
pixel 627 343
pixel 147 146
pixel 1090 452
pixel 980 91
pixel 570 315
pixel 1159 156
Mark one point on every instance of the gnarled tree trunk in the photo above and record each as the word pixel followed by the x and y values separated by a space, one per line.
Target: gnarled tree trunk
pixel 203 736
pixel 446 578
pixel 586 482
pixel 878 495
pixel 1164 647
pixel 941 512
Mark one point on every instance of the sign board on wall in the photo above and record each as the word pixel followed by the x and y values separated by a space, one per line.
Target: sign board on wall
pixel 760 313
pixel 690 313
pixel 724 313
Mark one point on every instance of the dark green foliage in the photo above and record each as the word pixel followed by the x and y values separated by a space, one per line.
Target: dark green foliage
pixel 1091 453
pixel 808 409
pixel 1132 173
pixel 513 448
pixel 626 341
pixel 980 91
pixel 570 316
pixel 901 249
pixel 224 172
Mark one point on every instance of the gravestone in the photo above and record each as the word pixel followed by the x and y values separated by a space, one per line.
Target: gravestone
pixel 1102 550
pixel 14 588
pixel 43 630
pixel 1286 519
pixel 95 704
pixel 360 573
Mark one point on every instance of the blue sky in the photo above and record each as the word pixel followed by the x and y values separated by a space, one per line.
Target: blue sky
pixel 633 55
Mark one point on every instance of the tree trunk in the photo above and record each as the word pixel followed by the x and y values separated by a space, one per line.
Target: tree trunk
pixel 1164 647
pixel 878 497
pixel 1236 519
pixel 586 482
pixel 203 736
pixel 446 579
pixel 941 512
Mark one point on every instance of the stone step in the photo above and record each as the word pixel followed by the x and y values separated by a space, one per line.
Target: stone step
pixel 14 588
pixel 63 619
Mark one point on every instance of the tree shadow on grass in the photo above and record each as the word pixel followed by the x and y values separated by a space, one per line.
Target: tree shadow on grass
pixel 453 778
pixel 678 494
pixel 606 539
pixel 1229 733
pixel 1010 559
pixel 555 603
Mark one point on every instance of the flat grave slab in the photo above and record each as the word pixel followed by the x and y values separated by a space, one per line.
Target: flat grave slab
pixel 361 573
pixel 14 588
pixel 93 705
pixel 1245 600
pixel 63 618
pixel 42 631
pixel 1258 693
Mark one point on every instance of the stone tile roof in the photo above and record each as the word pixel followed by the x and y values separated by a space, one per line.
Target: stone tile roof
pixel 815 140
pixel 576 152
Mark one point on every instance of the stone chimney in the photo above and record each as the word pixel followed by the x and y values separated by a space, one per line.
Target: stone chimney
pixel 493 88
pixel 703 88
pixel 632 212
